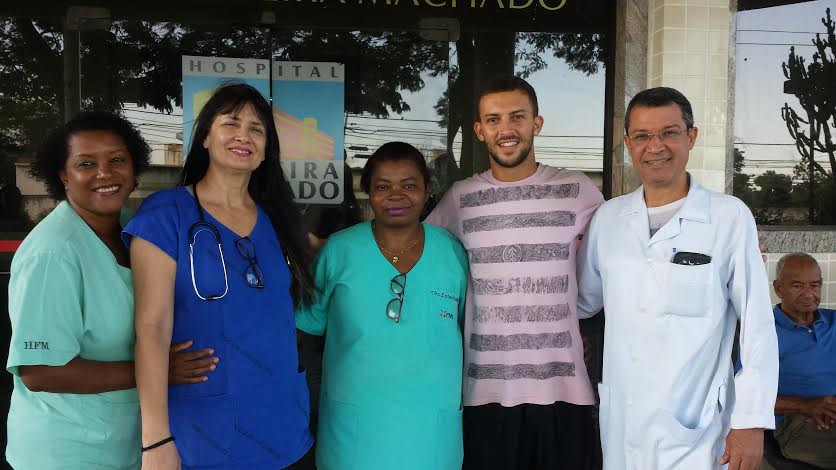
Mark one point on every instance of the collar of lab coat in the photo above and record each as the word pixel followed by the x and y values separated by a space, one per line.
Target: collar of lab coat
pixel 696 208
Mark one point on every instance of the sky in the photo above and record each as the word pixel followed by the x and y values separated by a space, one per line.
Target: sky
pixel 571 103
pixel 764 38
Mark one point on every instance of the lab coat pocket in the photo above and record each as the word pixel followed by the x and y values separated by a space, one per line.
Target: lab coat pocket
pixel 337 437
pixel 682 447
pixel 689 290
pixel 449 446
pixel 204 428
pixel 679 433
pixel 709 419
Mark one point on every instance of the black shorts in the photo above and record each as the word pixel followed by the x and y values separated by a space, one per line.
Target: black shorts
pixel 560 436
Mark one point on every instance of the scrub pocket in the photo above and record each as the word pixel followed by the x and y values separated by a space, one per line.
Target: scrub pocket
pixel 218 381
pixel 449 445
pixel 301 395
pixel 204 428
pixel 119 433
pixel 442 322
pixel 337 437
pixel 689 290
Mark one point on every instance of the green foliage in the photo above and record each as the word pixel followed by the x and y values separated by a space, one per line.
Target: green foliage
pixel 140 62
pixel 31 87
pixel 775 189
pixel 741 182
pixel 584 52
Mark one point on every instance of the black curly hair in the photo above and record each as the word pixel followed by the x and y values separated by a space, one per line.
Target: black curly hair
pixel 51 157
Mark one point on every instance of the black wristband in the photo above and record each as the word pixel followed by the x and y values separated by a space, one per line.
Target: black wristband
pixel 157 444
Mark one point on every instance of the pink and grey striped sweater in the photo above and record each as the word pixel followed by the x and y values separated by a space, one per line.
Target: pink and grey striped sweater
pixel 522 342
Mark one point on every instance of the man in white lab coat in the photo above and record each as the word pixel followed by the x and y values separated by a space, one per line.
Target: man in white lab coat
pixel 675 267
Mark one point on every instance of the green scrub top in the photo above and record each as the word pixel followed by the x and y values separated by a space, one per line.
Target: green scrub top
pixel 69 298
pixel 391 392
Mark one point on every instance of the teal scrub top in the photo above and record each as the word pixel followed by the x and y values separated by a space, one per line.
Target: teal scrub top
pixel 69 298
pixel 391 392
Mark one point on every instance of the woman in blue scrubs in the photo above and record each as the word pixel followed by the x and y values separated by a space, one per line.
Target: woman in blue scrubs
pixel 390 302
pixel 221 259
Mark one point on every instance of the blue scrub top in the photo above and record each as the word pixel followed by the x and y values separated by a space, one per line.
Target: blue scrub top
pixel 253 411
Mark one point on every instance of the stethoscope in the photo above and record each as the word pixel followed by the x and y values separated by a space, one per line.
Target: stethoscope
pixel 203 226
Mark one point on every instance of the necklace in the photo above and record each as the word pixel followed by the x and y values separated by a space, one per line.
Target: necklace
pixel 396 256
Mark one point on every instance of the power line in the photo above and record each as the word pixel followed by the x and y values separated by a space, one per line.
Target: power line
pixel 357 116
pixel 774 44
pixel 782 31
pixel 137 110
pixel 761 143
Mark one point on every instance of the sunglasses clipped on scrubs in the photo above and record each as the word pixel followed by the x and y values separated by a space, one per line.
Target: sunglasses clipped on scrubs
pixel 252 275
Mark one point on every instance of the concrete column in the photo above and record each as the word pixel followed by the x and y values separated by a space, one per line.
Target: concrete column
pixel 689 50
pixel 630 76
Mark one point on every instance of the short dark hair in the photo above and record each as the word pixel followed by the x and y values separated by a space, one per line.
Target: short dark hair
pixel 503 83
pixel 393 152
pixel 657 97
pixel 51 157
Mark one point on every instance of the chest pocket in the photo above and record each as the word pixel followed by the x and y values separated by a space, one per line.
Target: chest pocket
pixel 443 319
pixel 689 290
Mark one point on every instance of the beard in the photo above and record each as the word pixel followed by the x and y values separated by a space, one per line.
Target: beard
pixel 515 160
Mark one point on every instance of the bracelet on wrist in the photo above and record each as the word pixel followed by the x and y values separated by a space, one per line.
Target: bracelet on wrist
pixel 158 443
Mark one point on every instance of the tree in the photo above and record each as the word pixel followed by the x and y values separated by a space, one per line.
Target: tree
pixel 31 89
pixel 823 205
pixel 772 196
pixel 813 86
pixel 741 182
pixel 775 189
pixel 140 62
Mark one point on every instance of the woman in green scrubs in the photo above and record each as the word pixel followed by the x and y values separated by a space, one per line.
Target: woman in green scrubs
pixel 74 403
pixel 391 305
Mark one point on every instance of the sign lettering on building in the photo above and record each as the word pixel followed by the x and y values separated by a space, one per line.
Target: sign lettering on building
pixel 308 110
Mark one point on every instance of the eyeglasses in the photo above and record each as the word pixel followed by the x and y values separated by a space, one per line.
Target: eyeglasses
pixel 398 286
pixel 252 274
pixel 667 136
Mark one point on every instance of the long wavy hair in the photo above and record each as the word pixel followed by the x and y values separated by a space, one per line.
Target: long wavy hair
pixel 268 186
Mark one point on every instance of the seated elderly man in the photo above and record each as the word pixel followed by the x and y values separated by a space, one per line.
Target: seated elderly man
pixel 806 405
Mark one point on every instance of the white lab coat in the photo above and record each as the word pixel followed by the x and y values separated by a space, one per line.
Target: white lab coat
pixel 669 393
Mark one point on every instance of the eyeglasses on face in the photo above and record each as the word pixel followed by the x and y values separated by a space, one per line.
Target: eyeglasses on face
pixel 667 136
pixel 398 286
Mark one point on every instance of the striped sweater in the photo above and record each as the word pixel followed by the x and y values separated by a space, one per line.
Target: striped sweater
pixel 522 341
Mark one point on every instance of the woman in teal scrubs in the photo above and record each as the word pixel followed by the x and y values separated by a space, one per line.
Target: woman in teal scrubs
pixel 74 403
pixel 391 296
